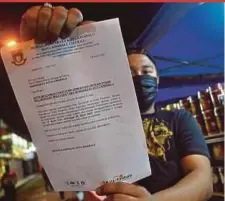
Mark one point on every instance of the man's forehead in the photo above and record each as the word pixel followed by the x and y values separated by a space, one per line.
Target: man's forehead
pixel 140 59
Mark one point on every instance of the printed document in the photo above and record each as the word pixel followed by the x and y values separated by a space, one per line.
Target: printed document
pixel 78 101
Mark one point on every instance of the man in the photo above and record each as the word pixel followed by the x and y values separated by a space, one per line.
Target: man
pixel 8 182
pixel 178 154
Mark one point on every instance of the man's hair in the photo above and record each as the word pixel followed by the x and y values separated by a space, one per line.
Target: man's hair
pixel 139 50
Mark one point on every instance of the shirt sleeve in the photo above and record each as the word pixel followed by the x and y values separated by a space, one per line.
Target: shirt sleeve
pixel 190 139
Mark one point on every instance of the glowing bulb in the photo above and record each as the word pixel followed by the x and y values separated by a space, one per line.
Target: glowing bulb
pixel 11 43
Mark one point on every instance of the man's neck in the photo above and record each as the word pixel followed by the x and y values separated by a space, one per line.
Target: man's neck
pixel 150 110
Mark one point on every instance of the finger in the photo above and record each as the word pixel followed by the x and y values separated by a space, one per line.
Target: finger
pixel 86 22
pixel 74 17
pixel 28 23
pixel 57 21
pixel 120 188
pixel 120 197
pixel 44 18
pixel 81 31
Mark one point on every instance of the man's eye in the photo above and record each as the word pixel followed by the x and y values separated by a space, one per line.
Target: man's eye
pixel 147 71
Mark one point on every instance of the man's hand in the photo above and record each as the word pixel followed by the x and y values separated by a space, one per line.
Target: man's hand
pixel 45 24
pixel 124 192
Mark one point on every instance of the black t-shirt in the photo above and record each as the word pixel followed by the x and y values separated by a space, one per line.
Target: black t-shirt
pixel 170 135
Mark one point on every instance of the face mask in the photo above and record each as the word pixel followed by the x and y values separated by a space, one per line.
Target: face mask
pixel 146 88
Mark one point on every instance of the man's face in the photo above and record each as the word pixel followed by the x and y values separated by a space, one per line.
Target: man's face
pixel 145 79
pixel 140 64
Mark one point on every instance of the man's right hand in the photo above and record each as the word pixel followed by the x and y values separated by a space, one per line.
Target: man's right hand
pixel 45 24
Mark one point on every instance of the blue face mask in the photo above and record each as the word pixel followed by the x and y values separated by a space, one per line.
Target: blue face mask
pixel 146 88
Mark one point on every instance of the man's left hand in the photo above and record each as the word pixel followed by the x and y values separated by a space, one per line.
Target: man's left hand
pixel 124 192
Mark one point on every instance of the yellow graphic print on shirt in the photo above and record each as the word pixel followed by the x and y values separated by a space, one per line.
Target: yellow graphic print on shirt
pixel 157 134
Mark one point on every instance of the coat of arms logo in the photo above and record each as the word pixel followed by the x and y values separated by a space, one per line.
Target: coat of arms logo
pixel 18 57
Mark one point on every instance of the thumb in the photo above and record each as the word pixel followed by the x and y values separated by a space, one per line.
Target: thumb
pixel 86 22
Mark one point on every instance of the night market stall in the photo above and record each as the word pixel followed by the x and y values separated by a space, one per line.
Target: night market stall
pixel 187 42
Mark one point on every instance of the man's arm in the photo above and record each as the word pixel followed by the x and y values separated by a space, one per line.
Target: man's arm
pixel 195 186
pixel 197 183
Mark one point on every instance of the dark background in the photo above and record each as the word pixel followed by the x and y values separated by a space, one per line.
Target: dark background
pixel 134 18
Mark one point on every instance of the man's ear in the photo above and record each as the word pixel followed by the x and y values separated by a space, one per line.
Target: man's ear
pixel 158 80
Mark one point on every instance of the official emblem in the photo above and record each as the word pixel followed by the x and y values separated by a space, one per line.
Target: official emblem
pixel 18 57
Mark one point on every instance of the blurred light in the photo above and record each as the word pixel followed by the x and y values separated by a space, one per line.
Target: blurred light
pixel 6 137
pixel 32 148
pixel 29 156
pixel 24 144
pixel 11 43
pixel 6 155
pixel 2 124
pixel 14 139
